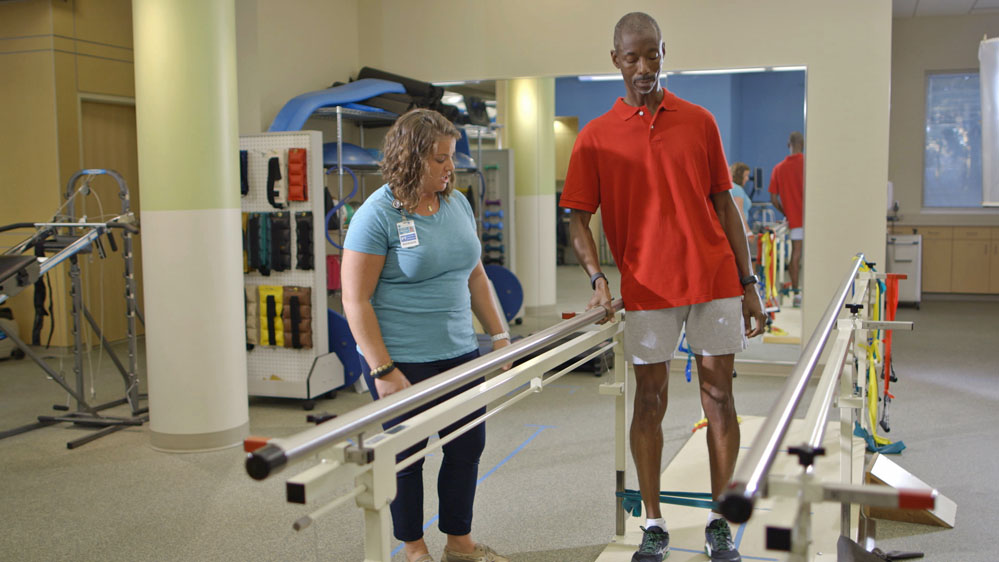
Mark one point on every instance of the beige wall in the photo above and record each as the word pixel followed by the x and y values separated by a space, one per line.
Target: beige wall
pixel 290 48
pixel 846 46
pixel 51 53
pixel 921 46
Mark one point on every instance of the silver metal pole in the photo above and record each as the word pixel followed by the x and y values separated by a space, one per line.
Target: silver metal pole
pixel 270 458
pixel 737 501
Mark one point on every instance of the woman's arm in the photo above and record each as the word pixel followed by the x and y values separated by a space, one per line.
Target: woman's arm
pixel 359 277
pixel 739 206
pixel 483 305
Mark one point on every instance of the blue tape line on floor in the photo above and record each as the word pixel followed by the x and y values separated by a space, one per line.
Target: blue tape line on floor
pixel 487 474
pixel 744 557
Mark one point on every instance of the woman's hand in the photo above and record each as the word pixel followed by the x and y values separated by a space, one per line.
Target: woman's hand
pixel 390 383
pixel 500 344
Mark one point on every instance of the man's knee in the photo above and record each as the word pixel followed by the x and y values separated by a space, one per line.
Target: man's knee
pixel 716 396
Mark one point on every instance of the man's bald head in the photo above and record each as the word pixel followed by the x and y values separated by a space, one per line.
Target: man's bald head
pixel 635 22
pixel 796 142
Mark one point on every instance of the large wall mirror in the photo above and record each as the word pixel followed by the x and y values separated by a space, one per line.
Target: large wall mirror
pixel 756 109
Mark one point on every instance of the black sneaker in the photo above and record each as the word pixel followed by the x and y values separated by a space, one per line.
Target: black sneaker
pixel 654 547
pixel 718 542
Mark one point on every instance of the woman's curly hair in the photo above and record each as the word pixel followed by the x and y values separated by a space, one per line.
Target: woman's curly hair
pixel 408 144
pixel 738 169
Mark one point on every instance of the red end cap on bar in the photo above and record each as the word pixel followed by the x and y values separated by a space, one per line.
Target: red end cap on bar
pixel 917 499
pixel 568 315
pixel 252 443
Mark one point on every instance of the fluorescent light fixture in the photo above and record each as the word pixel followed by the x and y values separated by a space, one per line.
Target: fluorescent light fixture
pixel 724 70
pixel 600 77
pixel 787 68
pixel 456 83
pixel 608 77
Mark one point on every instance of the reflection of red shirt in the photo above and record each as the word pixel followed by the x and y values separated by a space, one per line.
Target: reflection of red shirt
pixel 787 181
pixel 653 177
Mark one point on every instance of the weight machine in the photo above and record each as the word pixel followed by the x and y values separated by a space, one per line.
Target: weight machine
pixel 64 238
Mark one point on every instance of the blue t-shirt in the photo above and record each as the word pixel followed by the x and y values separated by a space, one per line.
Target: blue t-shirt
pixel 738 191
pixel 422 302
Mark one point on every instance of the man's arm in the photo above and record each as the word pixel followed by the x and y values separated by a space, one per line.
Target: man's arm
pixel 586 252
pixel 731 223
pixel 775 200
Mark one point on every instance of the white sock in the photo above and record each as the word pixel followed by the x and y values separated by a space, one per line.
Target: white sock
pixel 661 523
pixel 712 516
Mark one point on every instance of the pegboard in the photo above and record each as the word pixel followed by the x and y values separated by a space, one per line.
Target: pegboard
pixel 279 371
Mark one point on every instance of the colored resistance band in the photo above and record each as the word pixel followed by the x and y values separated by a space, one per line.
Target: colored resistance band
pixel 280 232
pixel 690 356
pixel 246 243
pixel 277 184
pixel 298 189
pixel 259 242
pixel 305 258
pixel 271 309
pixel 297 317
pixel 252 315
pixel 244 172
pixel 875 443
pixel 631 500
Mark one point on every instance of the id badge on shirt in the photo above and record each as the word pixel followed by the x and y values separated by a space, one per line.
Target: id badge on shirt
pixel 407 234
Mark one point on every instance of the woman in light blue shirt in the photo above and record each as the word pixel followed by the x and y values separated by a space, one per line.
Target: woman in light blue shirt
pixel 412 278
pixel 740 175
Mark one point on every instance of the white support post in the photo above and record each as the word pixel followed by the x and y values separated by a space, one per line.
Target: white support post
pixel 620 428
pixel 380 490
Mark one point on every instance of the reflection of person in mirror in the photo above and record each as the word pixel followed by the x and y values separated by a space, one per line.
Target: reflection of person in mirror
pixel 787 183
pixel 740 175
pixel 655 166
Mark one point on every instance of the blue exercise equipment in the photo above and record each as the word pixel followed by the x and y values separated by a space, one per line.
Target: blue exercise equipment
pixel 353 155
pixel 341 203
pixel 508 289
pixel 297 110
pixel 493 225
pixel 341 342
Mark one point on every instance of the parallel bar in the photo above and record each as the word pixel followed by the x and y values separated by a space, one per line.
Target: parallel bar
pixel 818 412
pixel 750 474
pixel 269 459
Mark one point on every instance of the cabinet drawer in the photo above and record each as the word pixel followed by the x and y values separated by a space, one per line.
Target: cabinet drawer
pixel 972 233
pixel 935 232
pixel 995 232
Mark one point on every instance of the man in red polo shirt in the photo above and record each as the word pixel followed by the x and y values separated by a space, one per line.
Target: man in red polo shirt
pixel 787 183
pixel 654 164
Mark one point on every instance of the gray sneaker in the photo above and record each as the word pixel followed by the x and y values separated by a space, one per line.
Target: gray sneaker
pixel 654 547
pixel 718 543
pixel 482 553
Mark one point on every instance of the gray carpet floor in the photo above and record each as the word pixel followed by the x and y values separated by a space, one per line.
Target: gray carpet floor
pixel 547 495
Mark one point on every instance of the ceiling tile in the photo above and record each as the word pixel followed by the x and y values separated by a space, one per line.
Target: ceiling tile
pixel 903 8
pixel 944 7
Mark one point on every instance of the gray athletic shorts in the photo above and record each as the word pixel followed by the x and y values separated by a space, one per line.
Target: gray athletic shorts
pixel 713 328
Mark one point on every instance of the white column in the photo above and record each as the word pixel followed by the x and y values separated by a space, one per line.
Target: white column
pixel 188 142
pixel 530 118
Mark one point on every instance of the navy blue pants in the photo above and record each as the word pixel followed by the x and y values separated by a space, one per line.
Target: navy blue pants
pixel 459 469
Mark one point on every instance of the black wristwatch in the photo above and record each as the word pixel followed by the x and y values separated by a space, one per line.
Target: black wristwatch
pixel 749 280
pixel 594 277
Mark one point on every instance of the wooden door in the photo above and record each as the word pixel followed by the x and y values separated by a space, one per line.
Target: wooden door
pixel 109 142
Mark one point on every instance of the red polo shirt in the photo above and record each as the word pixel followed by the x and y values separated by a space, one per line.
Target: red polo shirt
pixel 788 182
pixel 653 176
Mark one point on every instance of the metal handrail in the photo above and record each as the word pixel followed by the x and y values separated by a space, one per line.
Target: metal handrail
pixel 272 457
pixel 737 502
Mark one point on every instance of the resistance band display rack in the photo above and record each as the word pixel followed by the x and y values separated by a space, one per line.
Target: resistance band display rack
pixel 311 370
